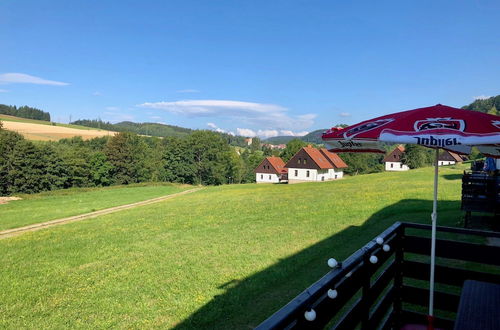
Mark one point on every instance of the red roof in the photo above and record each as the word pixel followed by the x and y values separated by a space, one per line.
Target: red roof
pixel 278 164
pixel 452 155
pixel 395 156
pixel 334 158
pixel 318 157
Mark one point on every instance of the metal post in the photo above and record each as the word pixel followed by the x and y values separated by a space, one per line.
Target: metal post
pixel 433 242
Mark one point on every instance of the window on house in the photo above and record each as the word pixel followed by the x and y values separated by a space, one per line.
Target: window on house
pixel 394 156
pixel 300 159
pixel 335 176
pixel 305 161
pixel 307 173
pixel 401 165
pixel 262 176
pixel 296 172
pixel 269 176
pixel 392 165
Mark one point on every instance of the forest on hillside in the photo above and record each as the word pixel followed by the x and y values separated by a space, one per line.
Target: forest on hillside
pixel 489 105
pixel 203 157
pixel 24 112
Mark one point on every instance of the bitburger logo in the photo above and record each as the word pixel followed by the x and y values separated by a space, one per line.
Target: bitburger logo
pixel 366 127
pixel 439 123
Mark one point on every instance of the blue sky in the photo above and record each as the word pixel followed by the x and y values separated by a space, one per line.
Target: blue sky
pixel 248 67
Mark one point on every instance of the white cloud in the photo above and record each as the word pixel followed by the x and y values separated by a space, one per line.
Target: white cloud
pixel 344 114
pixel 245 132
pixel 290 133
pixel 481 97
pixel 3 91
pixel 188 91
pixel 22 78
pixel 267 133
pixel 218 129
pixel 269 116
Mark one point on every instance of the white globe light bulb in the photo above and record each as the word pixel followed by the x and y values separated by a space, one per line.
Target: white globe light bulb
pixel 386 248
pixel 373 259
pixel 310 315
pixel 379 240
pixel 332 263
pixel 332 294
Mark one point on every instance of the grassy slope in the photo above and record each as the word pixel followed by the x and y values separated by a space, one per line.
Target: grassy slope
pixel 63 203
pixel 224 257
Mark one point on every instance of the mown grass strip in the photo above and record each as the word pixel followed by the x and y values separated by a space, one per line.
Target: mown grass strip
pixel 42 207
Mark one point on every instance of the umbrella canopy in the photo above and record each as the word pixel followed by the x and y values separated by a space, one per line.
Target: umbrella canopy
pixel 438 127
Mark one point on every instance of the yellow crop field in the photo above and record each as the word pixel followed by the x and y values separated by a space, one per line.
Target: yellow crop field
pixel 41 132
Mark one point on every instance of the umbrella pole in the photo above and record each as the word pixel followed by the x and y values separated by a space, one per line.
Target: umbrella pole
pixel 433 243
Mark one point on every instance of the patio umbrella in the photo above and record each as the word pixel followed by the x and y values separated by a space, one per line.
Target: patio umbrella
pixel 437 127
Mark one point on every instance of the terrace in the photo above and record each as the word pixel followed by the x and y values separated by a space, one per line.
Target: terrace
pixel 384 285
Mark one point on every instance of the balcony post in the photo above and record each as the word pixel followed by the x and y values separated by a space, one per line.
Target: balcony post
pixel 398 276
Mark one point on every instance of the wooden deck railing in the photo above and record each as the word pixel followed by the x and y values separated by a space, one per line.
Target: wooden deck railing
pixel 377 288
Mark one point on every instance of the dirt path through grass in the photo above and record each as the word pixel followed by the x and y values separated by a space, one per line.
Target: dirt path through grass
pixel 42 225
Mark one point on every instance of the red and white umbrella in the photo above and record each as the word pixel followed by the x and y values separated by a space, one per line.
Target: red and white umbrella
pixel 437 127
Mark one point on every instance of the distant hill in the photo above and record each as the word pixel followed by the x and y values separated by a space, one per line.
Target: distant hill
pixel 312 137
pixel 490 105
pixel 152 129
pixel 279 139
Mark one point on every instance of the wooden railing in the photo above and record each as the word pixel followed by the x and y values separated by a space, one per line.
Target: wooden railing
pixel 480 193
pixel 384 285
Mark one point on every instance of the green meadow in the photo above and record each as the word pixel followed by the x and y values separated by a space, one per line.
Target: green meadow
pixel 224 257
pixel 57 204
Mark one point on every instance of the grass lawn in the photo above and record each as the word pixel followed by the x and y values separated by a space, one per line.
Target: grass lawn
pixel 64 203
pixel 224 257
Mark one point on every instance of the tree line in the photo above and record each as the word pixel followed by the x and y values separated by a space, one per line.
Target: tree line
pixel 203 157
pixel 489 105
pixel 24 112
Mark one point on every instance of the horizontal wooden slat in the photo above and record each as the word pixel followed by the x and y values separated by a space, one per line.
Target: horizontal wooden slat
pixel 388 322
pixel 445 275
pixel 419 296
pixel 381 309
pixel 381 283
pixel 454 250
pixel 468 232
pixel 351 318
pixel 326 308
